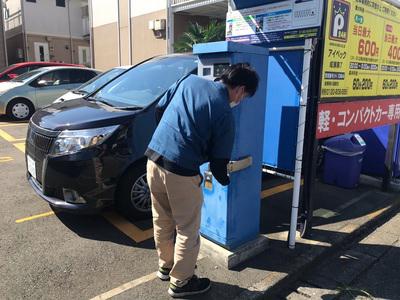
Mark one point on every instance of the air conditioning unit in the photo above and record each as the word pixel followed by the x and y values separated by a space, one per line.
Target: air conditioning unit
pixel 159 24
pixel 151 24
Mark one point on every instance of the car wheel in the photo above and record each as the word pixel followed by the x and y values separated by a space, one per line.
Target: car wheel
pixel 20 109
pixel 133 195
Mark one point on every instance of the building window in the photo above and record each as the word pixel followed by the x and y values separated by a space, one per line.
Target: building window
pixel 34 1
pixel 60 3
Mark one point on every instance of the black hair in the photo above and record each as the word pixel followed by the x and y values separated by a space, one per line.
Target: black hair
pixel 241 74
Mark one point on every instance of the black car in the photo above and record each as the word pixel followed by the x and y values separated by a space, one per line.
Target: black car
pixel 88 153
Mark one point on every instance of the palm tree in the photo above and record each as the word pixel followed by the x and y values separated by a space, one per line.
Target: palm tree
pixel 196 33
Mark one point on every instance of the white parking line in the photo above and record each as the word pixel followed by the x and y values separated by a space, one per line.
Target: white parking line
pixel 125 287
pixel 130 285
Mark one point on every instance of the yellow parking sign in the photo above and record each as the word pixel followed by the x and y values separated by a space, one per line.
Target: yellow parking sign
pixel 361 50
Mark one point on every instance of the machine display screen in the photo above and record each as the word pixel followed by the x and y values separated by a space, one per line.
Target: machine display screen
pixel 219 69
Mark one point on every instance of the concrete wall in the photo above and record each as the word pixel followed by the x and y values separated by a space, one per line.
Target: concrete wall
pixel 144 43
pixel 45 18
pixel 141 40
pixel 105 40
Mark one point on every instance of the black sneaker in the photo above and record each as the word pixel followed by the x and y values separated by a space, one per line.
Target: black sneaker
pixel 163 273
pixel 193 287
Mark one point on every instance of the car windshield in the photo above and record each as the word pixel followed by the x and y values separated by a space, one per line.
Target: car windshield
pixel 26 76
pixel 100 80
pixel 144 83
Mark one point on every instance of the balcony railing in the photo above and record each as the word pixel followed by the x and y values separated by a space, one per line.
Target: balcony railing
pixel 13 20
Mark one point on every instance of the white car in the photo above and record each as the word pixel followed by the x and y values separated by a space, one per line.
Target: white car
pixel 93 84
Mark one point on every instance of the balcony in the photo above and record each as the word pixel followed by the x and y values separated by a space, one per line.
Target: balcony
pixel 13 21
pixel 209 8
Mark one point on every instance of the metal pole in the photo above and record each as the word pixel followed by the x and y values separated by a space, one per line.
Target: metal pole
pixel 90 8
pixel 3 6
pixel 300 142
pixel 130 32
pixel 290 48
pixel 70 35
pixel 25 38
pixel 170 28
pixel 119 34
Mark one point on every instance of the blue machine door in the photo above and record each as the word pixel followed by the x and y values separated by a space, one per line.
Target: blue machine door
pixel 282 109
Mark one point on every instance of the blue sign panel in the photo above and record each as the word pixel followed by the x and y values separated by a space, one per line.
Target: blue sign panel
pixel 281 21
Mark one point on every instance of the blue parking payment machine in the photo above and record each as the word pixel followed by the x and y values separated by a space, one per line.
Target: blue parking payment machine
pixel 231 214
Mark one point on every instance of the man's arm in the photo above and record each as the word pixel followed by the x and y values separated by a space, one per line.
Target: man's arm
pixel 221 147
pixel 166 99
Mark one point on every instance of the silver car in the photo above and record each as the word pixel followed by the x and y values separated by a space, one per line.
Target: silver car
pixel 20 97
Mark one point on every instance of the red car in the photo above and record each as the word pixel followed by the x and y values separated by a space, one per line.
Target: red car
pixel 12 71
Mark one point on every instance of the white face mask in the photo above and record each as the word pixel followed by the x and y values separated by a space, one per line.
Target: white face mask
pixel 233 104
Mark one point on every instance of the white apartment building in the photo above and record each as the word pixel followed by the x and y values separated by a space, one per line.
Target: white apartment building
pixel 47 30
pixel 129 31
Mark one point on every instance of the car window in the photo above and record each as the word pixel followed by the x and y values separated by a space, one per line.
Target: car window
pixel 81 76
pixel 100 80
pixel 34 67
pixel 53 78
pixel 144 83
pixel 26 76
pixel 20 71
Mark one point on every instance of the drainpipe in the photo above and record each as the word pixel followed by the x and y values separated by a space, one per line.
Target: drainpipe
pixel 3 6
pixel 24 36
pixel 170 28
pixel 90 8
pixel 119 34
pixel 130 32
pixel 70 36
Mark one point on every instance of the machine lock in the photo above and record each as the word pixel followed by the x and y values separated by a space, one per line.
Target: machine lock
pixel 208 176
pixel 237 165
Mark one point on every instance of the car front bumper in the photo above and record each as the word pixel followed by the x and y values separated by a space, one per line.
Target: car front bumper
pixel 91 176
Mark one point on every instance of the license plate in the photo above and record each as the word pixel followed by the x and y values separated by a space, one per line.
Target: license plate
pixel 31 166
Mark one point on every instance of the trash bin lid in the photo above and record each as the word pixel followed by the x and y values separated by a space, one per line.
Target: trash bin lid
pixel 347 144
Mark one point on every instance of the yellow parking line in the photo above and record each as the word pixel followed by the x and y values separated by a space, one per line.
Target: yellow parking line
pixel 132 231
pixel 20 146
pixel 5 159
pixel 278 189
pixel 6 136
pixel 2 124
pixel 50 213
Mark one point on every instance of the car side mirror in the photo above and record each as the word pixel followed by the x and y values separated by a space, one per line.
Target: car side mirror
pixel 12 75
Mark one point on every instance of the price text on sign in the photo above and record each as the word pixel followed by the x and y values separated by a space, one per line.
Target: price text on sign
pixel 362 50
pixel 344 117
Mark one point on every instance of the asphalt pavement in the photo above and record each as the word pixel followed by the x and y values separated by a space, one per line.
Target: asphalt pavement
pixel 52 255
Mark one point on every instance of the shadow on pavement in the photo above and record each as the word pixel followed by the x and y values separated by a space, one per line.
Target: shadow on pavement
pixel 331 205
pixel 96 227
pixel 367 271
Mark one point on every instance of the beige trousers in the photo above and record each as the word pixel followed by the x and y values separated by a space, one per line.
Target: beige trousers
pixel 176 206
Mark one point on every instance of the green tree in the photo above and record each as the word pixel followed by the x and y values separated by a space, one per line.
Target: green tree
pixel 196 33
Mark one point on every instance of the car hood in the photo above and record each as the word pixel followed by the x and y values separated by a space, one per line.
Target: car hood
pixel 79 114
pixel 8 85
pixel 69 96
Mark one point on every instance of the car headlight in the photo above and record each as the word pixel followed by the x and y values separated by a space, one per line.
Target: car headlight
pixel 71 141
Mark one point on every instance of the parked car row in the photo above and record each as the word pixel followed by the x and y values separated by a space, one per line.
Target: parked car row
pixel 88 153
pixel 21 96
